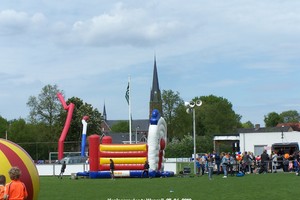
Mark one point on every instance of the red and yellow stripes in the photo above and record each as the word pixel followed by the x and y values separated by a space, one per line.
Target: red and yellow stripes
pixel 123 147
pixel 125 156
pixel 13 155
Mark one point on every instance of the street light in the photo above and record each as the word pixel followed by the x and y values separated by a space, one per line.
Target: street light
pixel 282 136
pixel 136 128
pixel 191 107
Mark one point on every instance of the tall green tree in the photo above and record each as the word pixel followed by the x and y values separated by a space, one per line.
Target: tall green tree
pixel 45 107
pixel 216 116
pixel 290 116
pixel 272 119
pixel 44 113
pixel 181 124
pixel 171 102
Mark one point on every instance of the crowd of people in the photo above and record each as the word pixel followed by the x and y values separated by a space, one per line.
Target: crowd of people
pixel 247 163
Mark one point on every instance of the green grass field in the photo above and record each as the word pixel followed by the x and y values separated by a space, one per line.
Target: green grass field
pixel 254 186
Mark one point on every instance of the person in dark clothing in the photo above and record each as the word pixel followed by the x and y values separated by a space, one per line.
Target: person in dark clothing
pixel 112 169
pixel 146 169
pixel 285 162
pixel 62 170
pixel 264 162
pixel 217 159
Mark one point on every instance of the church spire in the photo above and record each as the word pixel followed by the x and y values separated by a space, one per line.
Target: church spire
pixel 155 95
pixel 104 113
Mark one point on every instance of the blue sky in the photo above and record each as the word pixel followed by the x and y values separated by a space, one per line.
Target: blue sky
pixel 245 51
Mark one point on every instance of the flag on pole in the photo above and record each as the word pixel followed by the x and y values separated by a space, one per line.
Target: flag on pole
pixel 127 94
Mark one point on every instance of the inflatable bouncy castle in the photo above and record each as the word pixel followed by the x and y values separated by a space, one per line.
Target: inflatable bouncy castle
pixel 129 159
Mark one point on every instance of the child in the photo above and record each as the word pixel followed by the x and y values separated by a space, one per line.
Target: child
pixel 146 169
pixel 15 189
pixel 2 186
pixel 112 168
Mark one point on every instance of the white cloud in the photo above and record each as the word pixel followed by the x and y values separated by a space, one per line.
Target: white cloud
pixel 124 26
pixel 13 22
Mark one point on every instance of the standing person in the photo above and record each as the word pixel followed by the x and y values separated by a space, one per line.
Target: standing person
pixel 2 186
pixel 246 163
pixel 62 170
pixel 224 164
pixel 202 162
pixel 264 162
pixel 252 161
pixel 210 167
pixel 217 161
pixel 146 169
pixel 15 189
pixel 274 162
pixel 231 162
pixel 296 166
pixel 207 155
pixel 112 168
pixel 286 162
pixel 198 166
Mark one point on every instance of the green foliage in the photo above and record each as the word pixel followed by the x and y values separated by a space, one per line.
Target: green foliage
pixel 171 102
pixel 46 107
pixel 272 119
pixel 4 126
pixel 120 127
pixel 216 116
pixel 184 148
pixel 248 124
pixel 180 148
pixel 172 105
pixel 181 124
pixel 204 144
pixel 290 116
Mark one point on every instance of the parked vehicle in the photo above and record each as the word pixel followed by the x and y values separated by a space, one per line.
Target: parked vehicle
pixel 283 148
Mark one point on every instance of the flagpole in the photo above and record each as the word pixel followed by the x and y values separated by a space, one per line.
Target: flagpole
pixel 129 110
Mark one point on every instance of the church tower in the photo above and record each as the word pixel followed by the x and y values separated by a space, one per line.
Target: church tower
pixel 104 113
pixel 155 95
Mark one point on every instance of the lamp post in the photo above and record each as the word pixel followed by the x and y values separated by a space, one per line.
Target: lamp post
pixel 138 127
pixel 282 136
pixel 191 107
